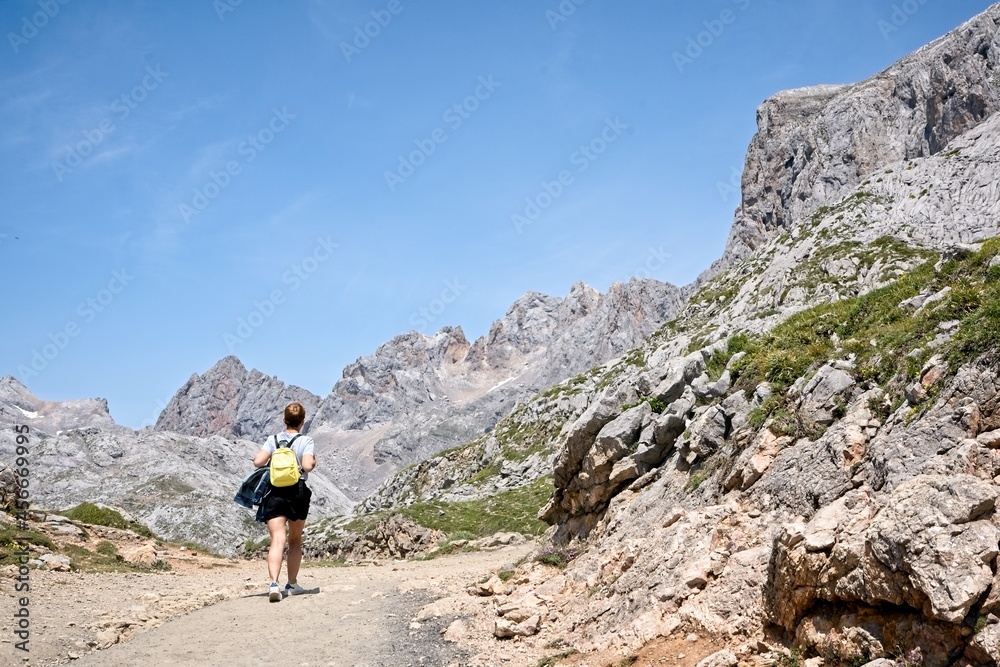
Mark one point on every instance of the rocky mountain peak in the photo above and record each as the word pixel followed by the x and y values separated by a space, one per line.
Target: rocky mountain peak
pixel 12 392
pixel 230 401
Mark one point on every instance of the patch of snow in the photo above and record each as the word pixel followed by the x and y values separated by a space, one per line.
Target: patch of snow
pixel 497 386
pixel 29 415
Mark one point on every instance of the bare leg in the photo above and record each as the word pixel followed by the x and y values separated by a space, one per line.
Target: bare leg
pixel 294 549
pixel 276 527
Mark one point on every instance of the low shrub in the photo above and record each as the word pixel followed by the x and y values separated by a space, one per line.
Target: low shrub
pixel 556 556
pixel 103 516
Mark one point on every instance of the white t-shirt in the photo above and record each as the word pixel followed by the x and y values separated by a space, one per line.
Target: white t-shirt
pixel 303 445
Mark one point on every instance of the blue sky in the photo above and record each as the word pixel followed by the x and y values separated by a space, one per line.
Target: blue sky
pixel 185 180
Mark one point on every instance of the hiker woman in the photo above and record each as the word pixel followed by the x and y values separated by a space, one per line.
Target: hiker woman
pixel 287 504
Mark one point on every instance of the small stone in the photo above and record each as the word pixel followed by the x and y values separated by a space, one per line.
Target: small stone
pixel 915 394
pixel 674 516
pixel 455 632
pixel 692 637
pixel 55 563
pixel 990 439
pixel 107 638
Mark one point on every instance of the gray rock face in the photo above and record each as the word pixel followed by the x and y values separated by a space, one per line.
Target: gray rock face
pixel 181 486
pixel 232 402
pixel 929 547
pixel 582 434
pixel 20 406
pixel 419 394
pixel 814 145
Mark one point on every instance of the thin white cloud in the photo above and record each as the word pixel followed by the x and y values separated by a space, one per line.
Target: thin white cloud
pixel 112 154
pixel 203 105
pixel 210 157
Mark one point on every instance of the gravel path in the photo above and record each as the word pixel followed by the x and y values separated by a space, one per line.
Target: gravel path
pixel 391 615
pixel 353 616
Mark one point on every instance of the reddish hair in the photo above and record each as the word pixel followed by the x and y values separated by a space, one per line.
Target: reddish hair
pixel 295 414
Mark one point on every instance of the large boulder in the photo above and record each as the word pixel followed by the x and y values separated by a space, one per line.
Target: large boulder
pixel 581 435
pixel 826 394
pixel 614 441
pixel 929 546
pixel 677 374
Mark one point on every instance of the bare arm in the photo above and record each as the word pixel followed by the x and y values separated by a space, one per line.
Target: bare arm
pixel 261 458
pixel 308 463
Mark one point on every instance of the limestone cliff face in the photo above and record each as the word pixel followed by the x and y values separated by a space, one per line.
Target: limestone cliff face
pixel 19 406
pixel 232 402
pixel 813 145
pixel 418 395
pixel 540 341
pixel 402 376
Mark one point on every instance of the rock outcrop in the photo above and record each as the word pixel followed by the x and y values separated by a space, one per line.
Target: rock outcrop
pixel 180 486
pixel 232 402
pixel 393 537
pixel 419 394
pixel 815 145
pixel 904 553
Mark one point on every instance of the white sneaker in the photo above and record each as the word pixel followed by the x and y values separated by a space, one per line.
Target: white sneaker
pixel 274 593
pixel 294 589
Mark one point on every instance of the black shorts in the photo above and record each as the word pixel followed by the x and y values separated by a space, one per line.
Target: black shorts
pixel 291 502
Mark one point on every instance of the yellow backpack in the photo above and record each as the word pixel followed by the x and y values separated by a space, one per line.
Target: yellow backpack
pixel 284 464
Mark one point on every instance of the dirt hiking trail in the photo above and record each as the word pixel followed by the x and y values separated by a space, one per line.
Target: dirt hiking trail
pixel 388 615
